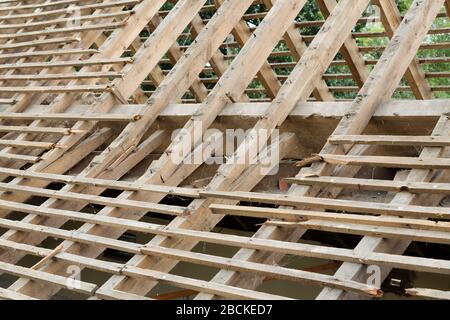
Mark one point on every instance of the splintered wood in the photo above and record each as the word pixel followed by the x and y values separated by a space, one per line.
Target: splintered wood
pixel 97 178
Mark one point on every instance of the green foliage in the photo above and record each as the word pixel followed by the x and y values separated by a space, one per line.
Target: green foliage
pixel 312 12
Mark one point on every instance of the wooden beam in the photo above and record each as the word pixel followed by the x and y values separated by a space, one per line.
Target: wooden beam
pixel 12 295
pixel 391 19
pixel 68 117
pixel 249 179
pixel 276 272
pixel 293 217
pixel 410 33
pixel 332 204
pixel 299 249
pixel 373 184
pixel 350 49
pixel 298 47
pixel 49 13
pixel 388 161
pixel 426 141
pixel 428 293
pixel 104 183
pixel 44 277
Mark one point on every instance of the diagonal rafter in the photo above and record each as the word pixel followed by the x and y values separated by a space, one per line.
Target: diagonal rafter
pixel 82 143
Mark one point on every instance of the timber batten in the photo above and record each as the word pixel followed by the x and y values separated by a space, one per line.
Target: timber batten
pixel 93 92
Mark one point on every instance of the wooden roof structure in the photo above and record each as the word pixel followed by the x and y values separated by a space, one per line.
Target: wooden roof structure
pixel 92 91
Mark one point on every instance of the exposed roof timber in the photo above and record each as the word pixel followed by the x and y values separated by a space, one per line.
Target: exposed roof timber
pixel 63 109
pixel 408 108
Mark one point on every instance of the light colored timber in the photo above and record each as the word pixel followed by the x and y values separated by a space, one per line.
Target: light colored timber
pixel 63 63
pixel 61 76
pixel 298 47
pixel 48 257
pixel 49 13
pixel 31 89
pixel 350 49
pixel 428 293
pixel 268 270
pixel 108 26
pixel 43 53
pixel 373 184
pixel 64 116
pixel 104 201
pixel 232 86
pixel 333 204
pixel 114 46
pixel 37 43
pixel 107 294
pixel 429 141
pixel 320 252
pixel 298 85
pixel 20 157
pixel 49 130
pixel 183 282
pixel 273 271
pixel 199 285
pixel 388 161
pixel 121 222
pixel 7 101
pixel 12 295
pixel 216 72
pixel 39 5
pixel 27 144
pixel 95 182
pixel 50 22
pixel 408 37
pixel 379 231
pixel 392 110
pixel 391 19
pixel 39 276
pixel 292 217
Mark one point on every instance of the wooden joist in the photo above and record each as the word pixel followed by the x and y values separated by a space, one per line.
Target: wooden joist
pixel 293 218
pixel 110 184
pixel 37 43
pixel 378 231
pixel 55 89
pixel 19 157
pixel 320 252
pixel 58 64
pixel 111 294
pixel 105 27
pixel 385 77
pixel 70 116
pixel 68 89
pixel 372 184
pixel 86 198
pixel 61 76
pixel 49 130
pixel 46 53
pixel 429 141
pixel 428 293
pixel 182 282
pixel 27 144
pixel 388 161
pixel 49 13
pixel 12 295
pixel 267 270
pixel 333 204
pixel 50 22
pixel 39 276
pixel 7 101
pixel 43 5
pixel 199 285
